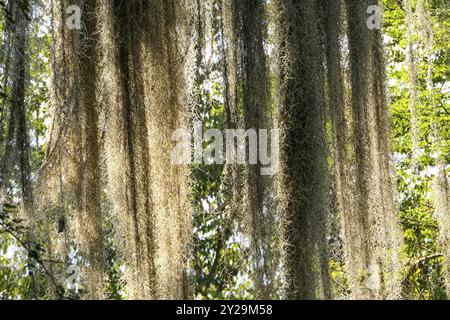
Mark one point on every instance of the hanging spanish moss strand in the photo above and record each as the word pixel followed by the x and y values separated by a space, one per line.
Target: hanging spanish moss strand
pixel 230 55
pixel 358 245
pixel 413 84
pixel 19 83
pixel 127 151
pixel 440 190
pixel 203 23
pixel 89 221
pixel 12 35
pixel 332 16
pixel 6 65
pixel 246 63
pixel 59 196
pixel 303 168
pixel 46 212
pixel 387 225
pixel 255 102
pixel 170 86
pixel 371 235
pixel 18 146
pixel 71 173
pixel 151 77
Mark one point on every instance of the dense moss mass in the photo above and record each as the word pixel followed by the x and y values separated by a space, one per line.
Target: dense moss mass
pixel 114 183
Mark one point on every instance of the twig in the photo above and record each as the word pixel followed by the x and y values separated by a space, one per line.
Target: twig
pixel 422 260
pixel 35 258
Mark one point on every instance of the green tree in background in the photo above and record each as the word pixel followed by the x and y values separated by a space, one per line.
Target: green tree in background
pixel 415 160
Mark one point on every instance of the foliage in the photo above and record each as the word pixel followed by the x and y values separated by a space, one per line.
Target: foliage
pixel 423 273
pixel 217 252
pixel 24 6
pixel 14 277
